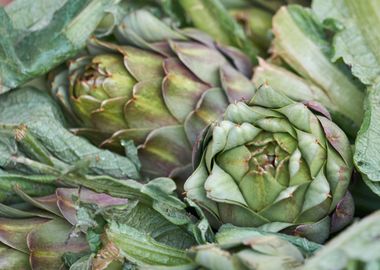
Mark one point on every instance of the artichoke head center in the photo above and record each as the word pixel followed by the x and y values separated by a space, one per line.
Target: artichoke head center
pixel 262 167
pixel 266 156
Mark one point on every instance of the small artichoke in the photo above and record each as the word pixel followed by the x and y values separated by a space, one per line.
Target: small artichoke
pixel 275 163
pixel 160 90
pixel 41 235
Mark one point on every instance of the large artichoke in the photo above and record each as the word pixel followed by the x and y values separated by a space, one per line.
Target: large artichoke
pixel 160 91
pixel 278 163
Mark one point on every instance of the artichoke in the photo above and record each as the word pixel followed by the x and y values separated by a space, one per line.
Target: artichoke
pixel 26 240
pixel 275 163
pixel 159 91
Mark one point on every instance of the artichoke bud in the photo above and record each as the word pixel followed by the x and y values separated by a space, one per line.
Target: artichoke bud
pixel 275 164
pixel 159 89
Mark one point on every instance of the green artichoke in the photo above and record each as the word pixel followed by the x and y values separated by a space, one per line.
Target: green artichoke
pixel 160 91
pixel 275 163
pixel 41 234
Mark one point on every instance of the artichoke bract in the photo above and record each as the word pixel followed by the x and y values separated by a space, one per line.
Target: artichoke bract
pixel 277 164
pixel 248 248
pixel 160 90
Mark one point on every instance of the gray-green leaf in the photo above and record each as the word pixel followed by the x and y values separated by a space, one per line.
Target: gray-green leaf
pixel 33 128
pixel 38 35
pixel 301 41
pixel 358 247
pixel 357 43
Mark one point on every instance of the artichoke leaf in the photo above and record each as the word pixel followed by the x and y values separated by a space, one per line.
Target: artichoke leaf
pixel 31 46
